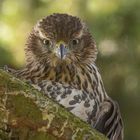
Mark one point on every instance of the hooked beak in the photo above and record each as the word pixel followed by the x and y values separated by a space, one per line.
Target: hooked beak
pixel 61 51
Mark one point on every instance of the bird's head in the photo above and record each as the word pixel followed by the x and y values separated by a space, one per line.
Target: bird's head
pixel 60 39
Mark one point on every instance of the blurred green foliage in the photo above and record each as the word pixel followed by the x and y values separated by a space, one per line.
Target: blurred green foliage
pixel 115 24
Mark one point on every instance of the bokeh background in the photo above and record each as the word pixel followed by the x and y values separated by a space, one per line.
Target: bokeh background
pixel 115 24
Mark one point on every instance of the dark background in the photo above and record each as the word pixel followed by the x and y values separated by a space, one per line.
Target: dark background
pixel 115 24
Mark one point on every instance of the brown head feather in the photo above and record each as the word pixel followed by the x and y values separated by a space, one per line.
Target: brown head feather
pixel 62 27
pixel 43 64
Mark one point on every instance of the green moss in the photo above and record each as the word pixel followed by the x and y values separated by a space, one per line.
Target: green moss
pixel 41 136
pixel 10 82
pixel 19 105
pixel 3 136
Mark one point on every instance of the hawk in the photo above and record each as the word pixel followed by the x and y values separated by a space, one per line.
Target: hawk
pixel 60 59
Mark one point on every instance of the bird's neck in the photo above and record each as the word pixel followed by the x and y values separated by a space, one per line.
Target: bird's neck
pixel 78 76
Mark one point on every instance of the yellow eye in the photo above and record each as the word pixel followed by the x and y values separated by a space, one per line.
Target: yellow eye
pixel 75 41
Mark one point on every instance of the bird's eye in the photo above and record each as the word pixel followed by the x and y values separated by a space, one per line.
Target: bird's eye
pixel 75 41
pixel 46 42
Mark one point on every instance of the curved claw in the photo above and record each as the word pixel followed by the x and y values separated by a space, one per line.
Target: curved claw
pixel 7 69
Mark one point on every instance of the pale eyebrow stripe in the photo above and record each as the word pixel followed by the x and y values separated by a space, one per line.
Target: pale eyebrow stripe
pixel 79 34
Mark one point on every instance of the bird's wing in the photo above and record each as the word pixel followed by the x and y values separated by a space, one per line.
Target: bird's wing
pixel 23 74
pixel 109 121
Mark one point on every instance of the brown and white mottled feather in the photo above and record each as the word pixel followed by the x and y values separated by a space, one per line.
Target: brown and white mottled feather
pixel 75 81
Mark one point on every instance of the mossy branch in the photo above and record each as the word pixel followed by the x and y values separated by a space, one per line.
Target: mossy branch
pixel 26 114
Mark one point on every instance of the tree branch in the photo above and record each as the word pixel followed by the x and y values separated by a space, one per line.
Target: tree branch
pixel 26 114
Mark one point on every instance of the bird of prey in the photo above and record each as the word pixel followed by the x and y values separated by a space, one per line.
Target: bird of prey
pixel 60 59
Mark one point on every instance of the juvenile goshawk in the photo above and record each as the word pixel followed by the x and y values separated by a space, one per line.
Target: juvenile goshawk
pixel 60 59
